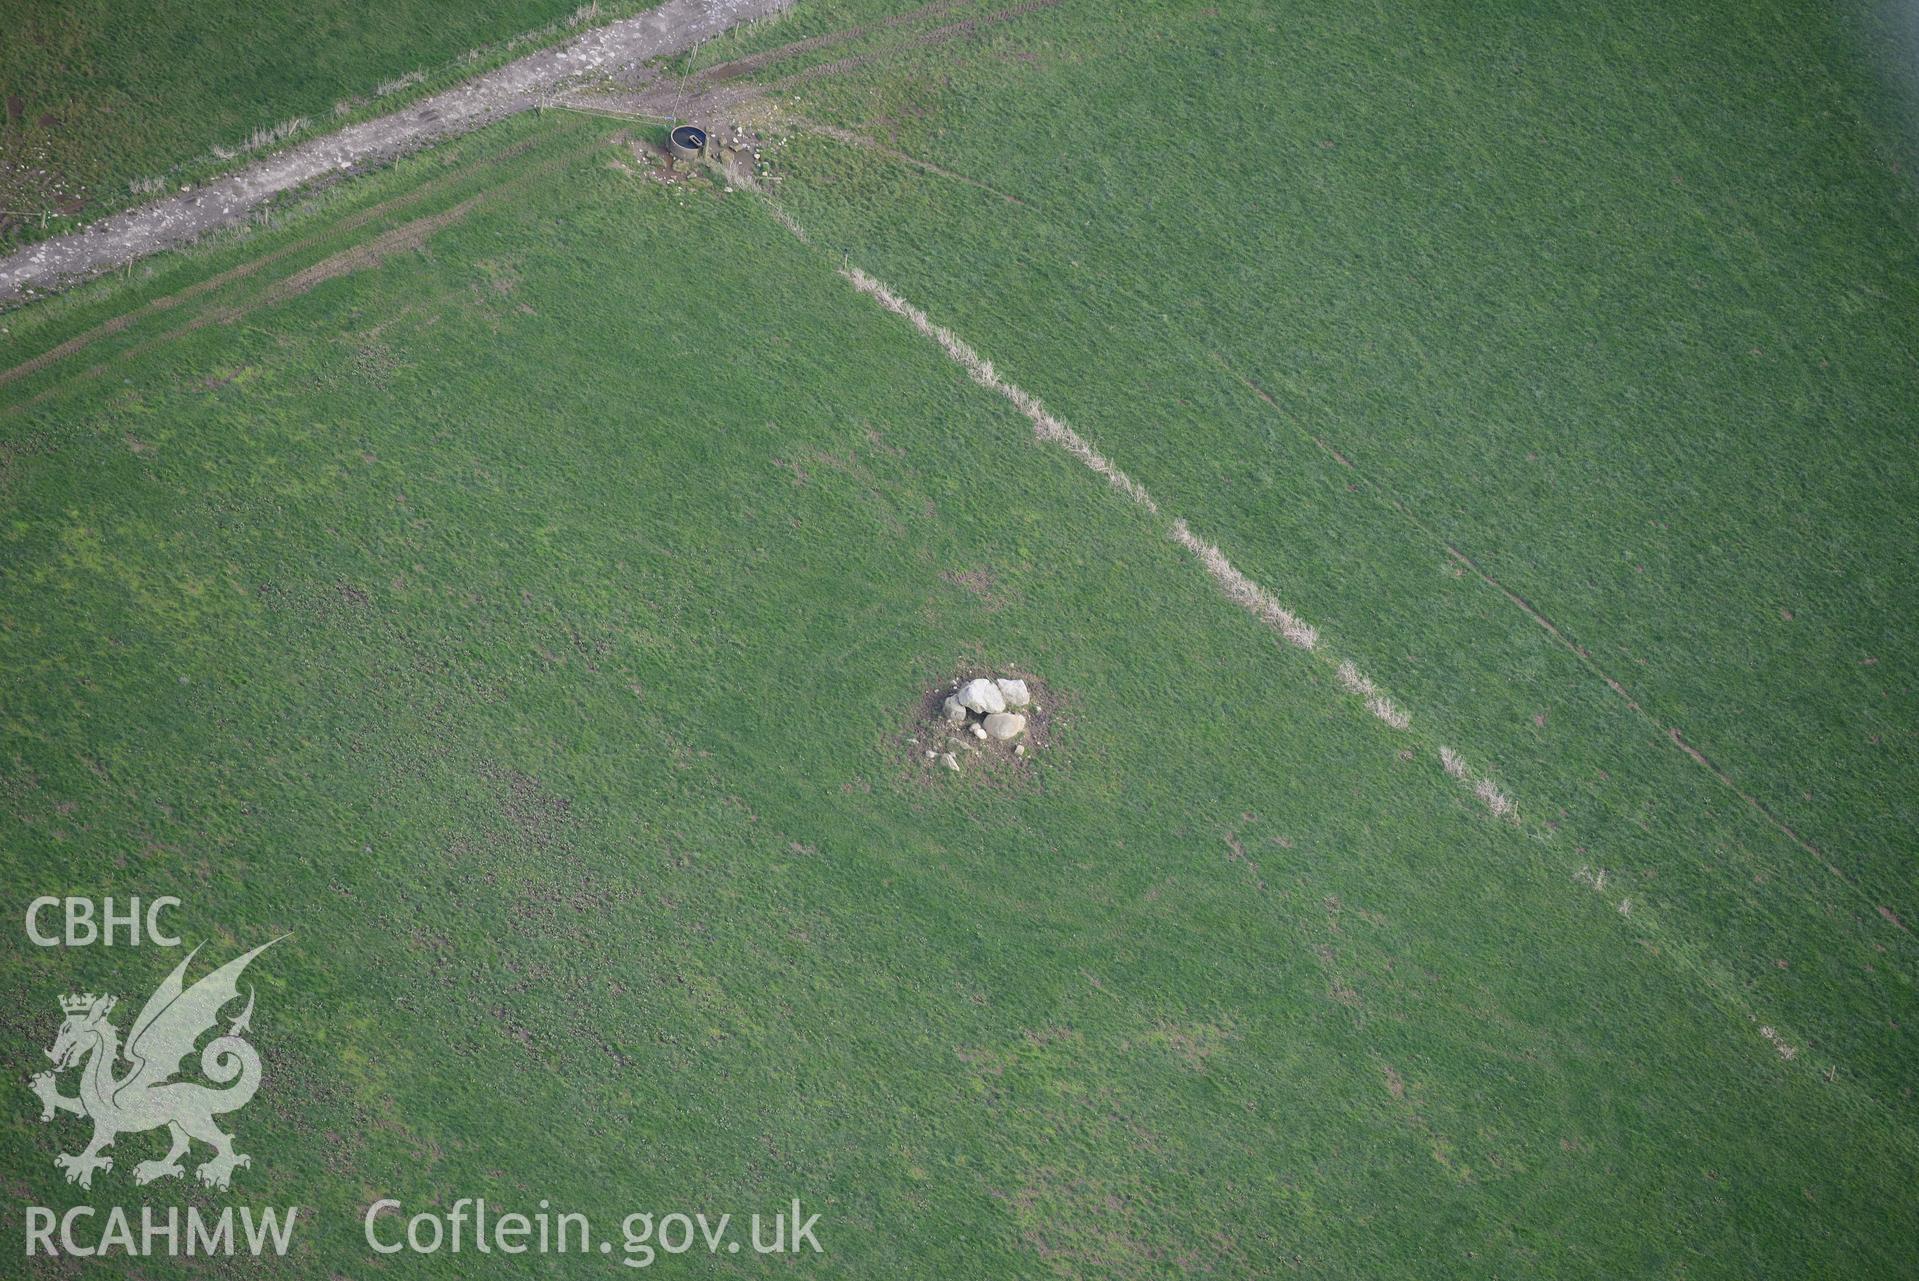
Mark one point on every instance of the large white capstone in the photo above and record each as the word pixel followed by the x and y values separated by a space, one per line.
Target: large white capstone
pixel 1014 692
pixel 982 696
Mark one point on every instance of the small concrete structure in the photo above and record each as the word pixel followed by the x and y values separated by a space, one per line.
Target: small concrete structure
pixel 686 142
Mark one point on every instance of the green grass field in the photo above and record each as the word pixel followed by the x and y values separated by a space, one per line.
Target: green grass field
pixel 515 578
pixel 101 98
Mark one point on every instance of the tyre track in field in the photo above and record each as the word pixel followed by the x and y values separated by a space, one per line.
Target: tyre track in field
pixel 518 86
pixel 755 62
pixel 707 95
pixel 939 35
pixel 701 82
pixel 118 324
pixel 878 148
pixel 360 257
pixel 1670 733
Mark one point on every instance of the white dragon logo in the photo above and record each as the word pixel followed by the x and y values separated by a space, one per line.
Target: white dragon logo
pixel 146 1097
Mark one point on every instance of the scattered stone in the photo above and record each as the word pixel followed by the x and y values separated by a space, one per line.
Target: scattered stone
pixel 1004 726
pixel 974 717
pixel 982 696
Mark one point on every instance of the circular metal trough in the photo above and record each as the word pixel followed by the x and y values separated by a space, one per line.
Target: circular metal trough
pixel 687 141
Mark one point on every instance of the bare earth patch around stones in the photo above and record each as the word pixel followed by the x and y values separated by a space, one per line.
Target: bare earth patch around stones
pixel 988 738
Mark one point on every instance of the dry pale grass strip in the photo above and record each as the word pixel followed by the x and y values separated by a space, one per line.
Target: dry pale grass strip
pixel 1045 426
pixel 1236 586
pixel 1497 801
pixel 1244 592
pixel 399 84
pixel 785 220
pixel 1485 789
pixel 1389 711
pixel 1354 682
pixel 261 138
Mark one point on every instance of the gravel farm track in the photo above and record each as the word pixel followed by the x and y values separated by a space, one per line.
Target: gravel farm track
pixel 622 87
pixel 619 47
